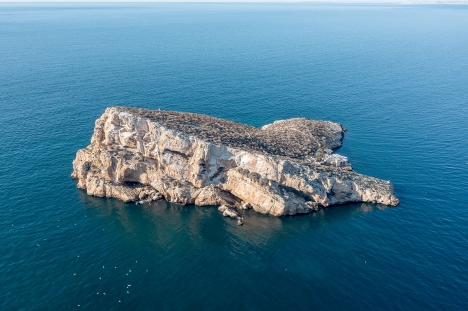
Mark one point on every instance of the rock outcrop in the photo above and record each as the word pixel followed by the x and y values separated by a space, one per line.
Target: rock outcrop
pixel 143 155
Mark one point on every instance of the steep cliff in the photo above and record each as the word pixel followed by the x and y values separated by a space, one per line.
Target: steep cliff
pixel 138 154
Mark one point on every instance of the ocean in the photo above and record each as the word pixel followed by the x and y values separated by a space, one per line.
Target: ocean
pixel 395 76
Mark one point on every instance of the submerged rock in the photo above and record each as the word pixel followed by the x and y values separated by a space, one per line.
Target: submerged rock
pixel 187 158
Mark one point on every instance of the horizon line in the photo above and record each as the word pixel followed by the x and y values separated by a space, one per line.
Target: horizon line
pixel 387 2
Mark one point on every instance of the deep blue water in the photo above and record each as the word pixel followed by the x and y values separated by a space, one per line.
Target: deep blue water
pixel 395 76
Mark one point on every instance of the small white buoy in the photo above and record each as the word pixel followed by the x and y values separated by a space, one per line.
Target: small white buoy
pixel 38 245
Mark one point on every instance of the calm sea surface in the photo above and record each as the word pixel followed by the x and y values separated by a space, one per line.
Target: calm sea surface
pixel 395 76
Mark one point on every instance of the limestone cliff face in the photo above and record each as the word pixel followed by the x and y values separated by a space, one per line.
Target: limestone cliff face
pixel 187 158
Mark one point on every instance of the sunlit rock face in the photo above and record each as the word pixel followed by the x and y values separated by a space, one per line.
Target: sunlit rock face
pixel 143 155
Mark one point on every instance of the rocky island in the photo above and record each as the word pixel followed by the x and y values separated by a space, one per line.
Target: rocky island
pixel 284 168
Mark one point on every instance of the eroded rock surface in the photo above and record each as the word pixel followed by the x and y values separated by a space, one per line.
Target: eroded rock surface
pixel 138 155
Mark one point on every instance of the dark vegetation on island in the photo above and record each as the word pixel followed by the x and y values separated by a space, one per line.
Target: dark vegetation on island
pixel 297 139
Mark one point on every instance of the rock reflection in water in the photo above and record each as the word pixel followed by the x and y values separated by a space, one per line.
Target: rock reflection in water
pixel 163 224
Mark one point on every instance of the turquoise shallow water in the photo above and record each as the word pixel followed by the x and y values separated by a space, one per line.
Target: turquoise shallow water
pixel 395 76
